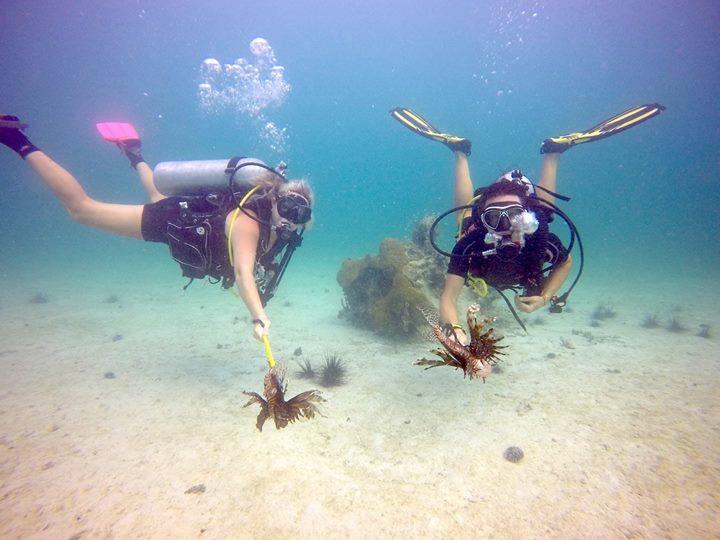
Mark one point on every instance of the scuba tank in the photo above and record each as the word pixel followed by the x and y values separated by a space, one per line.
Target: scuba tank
pixel 201 178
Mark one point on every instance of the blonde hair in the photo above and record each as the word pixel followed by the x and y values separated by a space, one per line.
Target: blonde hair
pixel 268 181
pixel 301 187
pixel 272 187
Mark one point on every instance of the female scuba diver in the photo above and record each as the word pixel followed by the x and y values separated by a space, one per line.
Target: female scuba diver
pixel 233 221
pixel 503 237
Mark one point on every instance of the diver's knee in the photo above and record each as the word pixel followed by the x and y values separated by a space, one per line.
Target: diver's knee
pixel 81 211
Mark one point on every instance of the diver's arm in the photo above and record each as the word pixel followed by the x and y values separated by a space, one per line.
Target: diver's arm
pixel 245 238
pixel 548 176
pixel 448 303
pixel 528 304
pixel 556 278
pixel 463 183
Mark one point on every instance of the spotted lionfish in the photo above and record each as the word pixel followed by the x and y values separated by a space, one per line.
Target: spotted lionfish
pixel 274 406
pixel 475 359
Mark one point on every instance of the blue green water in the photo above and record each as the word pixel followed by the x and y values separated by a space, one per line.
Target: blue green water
pixel 505 74
pixel 619 424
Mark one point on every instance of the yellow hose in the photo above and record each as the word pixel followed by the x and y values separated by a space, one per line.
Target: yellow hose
pixel 232 221
pixel 266 342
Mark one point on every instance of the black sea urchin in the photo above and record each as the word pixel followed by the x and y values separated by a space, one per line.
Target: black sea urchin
pixel 306 370
pixel 39 298
pixel 513 454
pixel 333 372
pixel 603 311
pixel 675 325
pixel 650 321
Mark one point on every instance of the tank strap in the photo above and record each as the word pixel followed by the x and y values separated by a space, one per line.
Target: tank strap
pixel 232 164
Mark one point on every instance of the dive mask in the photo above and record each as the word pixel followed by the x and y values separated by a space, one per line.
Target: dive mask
pixel 493 216
pixel 294 208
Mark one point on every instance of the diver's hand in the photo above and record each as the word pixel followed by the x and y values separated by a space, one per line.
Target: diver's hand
pixel 528 304
pixel 461 336
pixel 456 333
pixel 261 327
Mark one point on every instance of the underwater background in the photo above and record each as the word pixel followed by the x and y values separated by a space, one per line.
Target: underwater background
pixel 505 75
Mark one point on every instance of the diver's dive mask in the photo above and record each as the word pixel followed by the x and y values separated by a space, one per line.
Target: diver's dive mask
pixel 244 173
pixel 294 208
pixel 507 226
pixel 499 217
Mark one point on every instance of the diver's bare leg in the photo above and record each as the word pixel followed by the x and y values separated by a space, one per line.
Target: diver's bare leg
pixel 123 219
pixel 548 176
pixel 146 178
pixel 463 184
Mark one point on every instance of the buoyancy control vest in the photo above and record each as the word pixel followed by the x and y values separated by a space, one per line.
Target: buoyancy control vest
pixel 206 192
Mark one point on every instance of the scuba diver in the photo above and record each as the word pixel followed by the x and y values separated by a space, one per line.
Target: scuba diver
pixel 232 221
pixel 504 239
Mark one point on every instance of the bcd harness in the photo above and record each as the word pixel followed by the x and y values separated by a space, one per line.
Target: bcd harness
pixel 198 243
pixel 480 286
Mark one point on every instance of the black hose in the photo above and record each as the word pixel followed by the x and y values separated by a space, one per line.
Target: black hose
pixel 574 235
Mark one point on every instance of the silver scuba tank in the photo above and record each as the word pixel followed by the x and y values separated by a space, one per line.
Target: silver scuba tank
pixel 199 178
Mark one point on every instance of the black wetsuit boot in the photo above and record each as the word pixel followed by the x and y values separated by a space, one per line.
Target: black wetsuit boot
pixel 14 138
pixel 132 148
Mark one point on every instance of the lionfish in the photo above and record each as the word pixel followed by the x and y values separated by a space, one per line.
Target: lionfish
pixel 274 406
pixel 476 359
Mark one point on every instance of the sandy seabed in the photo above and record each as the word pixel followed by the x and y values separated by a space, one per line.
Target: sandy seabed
pixel 619 425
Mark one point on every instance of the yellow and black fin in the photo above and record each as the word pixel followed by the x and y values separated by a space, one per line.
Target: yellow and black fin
pixel 419 125
pixel 606 128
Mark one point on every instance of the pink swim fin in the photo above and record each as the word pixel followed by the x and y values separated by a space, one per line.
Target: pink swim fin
pixel 117 132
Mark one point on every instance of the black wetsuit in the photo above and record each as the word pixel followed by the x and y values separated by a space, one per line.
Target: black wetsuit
pixel 194 229
pixel 541 248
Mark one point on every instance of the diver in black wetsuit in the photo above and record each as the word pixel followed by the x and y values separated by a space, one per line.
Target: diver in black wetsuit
pixel 505 242
pixel 504 239
pixel 242 230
